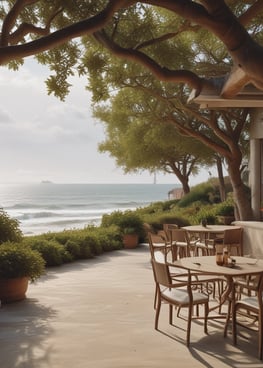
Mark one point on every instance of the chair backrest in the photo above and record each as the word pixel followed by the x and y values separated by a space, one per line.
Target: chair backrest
pixel 156 239
pixel 163 277
pixel 252 283
pixel 163 234
pixel 159 256
pixel 233 240
pixel 156 242
pixel 167 229
pixel 233 236
pixel 179 235
pixel 161 273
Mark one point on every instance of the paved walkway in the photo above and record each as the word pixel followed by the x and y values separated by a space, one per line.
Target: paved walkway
pixel 99 313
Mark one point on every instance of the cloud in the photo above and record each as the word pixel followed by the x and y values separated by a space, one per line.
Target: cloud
pixel 42 138
pixel 5 117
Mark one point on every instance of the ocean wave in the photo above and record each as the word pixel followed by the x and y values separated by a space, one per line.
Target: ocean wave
pixel 52 226
pixel 21 206
pixel 75 206
pixel 43 208
pixel 26 216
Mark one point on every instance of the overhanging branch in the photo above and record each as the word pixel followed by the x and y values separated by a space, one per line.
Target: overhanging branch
pixel 162 73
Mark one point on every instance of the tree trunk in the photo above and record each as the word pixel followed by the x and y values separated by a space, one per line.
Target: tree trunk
pixel 242 201
pixel 185 185
pixel 222 188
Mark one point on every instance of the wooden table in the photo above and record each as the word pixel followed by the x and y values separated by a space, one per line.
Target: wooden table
pixel 209 229
pixel 208 232
pixel 207 264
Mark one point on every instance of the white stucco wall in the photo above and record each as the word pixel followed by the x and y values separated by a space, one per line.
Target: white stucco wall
pixel 252 237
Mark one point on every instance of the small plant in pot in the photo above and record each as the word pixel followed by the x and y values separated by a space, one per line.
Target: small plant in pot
pixel 129 224
pixel 132 227
pixel 225 213
pixel 130 237
pixel 19 264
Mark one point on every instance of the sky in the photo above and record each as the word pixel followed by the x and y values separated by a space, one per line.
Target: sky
pixel 43 138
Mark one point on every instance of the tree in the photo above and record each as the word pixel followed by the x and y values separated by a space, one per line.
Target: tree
pixel 140 141
pixel 224 132
pixel 52 30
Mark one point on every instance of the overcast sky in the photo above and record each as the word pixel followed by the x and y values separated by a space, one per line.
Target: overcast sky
pixel 42 138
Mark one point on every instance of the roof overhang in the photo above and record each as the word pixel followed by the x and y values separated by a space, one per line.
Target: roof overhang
pixel 210 97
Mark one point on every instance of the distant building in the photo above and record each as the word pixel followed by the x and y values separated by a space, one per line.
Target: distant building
pixel 176 193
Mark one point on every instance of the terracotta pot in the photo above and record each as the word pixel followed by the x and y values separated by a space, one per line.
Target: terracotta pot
pixel 130 240
pixel 13 290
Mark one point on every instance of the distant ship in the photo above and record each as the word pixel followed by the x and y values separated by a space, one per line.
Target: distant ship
pixel 46 182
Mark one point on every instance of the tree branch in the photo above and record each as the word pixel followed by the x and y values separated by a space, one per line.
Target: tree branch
pixel 26 28
pixel 167 36
pixel 57 38
pixel 10 19
pixel 252 12
pixel 162 73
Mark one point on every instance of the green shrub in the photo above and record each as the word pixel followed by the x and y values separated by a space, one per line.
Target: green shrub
pixel 82 248
pixel 61 237
pixel 85 251
pixel 73 248
pixel 156 222
pixel 109 238
pixel 206 212
pixel 9 228
pixel 53 253
pixel 17 260
pixel 123 220
pixel 158 207
pixel 204 193
pixel 92 243
pixel 225 209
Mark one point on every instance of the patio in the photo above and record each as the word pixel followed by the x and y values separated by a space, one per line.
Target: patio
pixel 99 313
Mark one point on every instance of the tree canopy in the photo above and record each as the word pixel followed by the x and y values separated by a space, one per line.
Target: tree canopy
pixel 161 36
pixel 30 27
pixel 138 138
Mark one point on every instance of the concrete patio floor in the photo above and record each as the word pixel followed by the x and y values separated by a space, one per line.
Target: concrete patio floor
pixel 99 313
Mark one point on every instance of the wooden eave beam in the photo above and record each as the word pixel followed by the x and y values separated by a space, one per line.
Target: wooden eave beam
pixel 236 81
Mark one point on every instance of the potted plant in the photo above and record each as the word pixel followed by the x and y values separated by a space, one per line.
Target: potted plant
pixel 130 237
pixel 130 226
pixel 225 214
pixel 19 264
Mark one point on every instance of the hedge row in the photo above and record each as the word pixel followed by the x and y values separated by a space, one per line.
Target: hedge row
pixel 70 245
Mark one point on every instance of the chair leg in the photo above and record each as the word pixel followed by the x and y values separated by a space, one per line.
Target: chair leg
pixel 206 310
pixel 260 338
pixel 190 314
pixel 227 317
pixel 234 325
pixel 158 308
pixel 155 297
pixel 171 314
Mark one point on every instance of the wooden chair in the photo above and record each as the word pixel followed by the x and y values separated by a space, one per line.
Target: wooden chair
pixel 206 245
pixel 158 243
pixel 253 306
pixel 233 241
pixel 201 246
pixel 177 293
pixel 167 229
pixel 159 250
pixel 179 244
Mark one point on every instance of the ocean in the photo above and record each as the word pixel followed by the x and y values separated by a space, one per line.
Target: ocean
pixel 45 207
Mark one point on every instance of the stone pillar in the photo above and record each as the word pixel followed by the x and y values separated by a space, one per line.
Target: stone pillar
pixel 256 161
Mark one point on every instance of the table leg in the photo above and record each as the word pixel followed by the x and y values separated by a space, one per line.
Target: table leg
pixel 229 295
